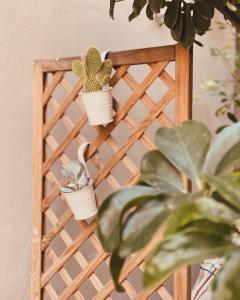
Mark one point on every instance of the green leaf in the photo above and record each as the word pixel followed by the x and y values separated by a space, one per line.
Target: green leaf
pixel 220 2
pixel 138 5
pixel 201 24
pixel 225 151
pixel 155 181
pixel 172 13
pixel 205 8
pixel 227 283
pixel 112 210
pixel 186 147
pixel 182 249
pixel 232 117
pixel 112 6
pixel 228 186
pixel 188 31
pixel 176 31
pixel 159 172
pixel 198 209
pixel 155 5
pixel 209 227
pixel 219 129
pixel 143 223
pixel 149 13
pixel 221 110
pixel 140 226
pixel 116 264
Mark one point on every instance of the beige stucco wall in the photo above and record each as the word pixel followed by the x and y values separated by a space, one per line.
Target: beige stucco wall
pixel 31 29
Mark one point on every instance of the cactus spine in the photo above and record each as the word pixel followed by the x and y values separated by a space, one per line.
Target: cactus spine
pixel 95 73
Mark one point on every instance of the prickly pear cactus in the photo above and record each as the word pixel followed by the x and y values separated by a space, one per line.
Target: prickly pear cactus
pixel 95 73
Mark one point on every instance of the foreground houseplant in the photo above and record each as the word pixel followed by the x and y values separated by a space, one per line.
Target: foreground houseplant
pixel 96 94
pixel 198 225
pixel 78 188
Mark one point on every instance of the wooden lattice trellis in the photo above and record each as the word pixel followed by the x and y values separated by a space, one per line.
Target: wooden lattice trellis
pixel 67 259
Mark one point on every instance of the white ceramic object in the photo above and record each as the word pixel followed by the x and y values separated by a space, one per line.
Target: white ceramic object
pixel 82 202
pixel 98 106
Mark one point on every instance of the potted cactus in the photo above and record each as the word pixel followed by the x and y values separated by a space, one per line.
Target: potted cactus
pixel 96 93
pixel 78 190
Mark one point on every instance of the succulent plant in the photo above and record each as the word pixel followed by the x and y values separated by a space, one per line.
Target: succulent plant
pixel 95 72
pixel 76 175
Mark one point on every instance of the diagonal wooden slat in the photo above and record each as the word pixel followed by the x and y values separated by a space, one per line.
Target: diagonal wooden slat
pixel 50 88
pixel 66 254
pixel 75 130
pixel 129 104
pixel 135 136
pixel 70 97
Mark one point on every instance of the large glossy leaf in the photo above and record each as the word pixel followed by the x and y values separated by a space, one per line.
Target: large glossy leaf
pixel 220 2
pixel 228 186
pixel 227 283
pixel 116 264
pixel 186 147
pixel 149 13
pixel 182 249
pixel 112 6
pixel 188 31
pixel 141 225
pixel 225 151
pixel 176 31
pixel 209 227
pixel 200 208
pixel 201 24
pixel 138 5
pixel 172 13
pixel 159 172
pixel 155 5
pixel 111 212
pixel 205 8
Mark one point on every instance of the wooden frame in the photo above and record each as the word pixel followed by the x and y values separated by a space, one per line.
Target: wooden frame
pixel 45 181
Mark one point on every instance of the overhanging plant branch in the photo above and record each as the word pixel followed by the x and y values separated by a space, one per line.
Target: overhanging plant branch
pixel 185 19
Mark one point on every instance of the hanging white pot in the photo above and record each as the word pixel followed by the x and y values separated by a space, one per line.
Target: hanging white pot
pixel 82 202
pixel 98 106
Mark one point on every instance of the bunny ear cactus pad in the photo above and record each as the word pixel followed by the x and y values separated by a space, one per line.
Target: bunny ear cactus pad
pixel 94 72
pixel 93 61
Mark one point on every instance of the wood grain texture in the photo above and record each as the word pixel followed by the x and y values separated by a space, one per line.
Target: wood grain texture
pixel 183 112
pixel 37 183
pixel 118 58
pixel 50 150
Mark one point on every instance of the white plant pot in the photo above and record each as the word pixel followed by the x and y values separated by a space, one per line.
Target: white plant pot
pixel 98 106
pixel 82 202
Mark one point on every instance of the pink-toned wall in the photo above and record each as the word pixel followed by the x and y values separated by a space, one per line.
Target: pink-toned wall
pixel 31 29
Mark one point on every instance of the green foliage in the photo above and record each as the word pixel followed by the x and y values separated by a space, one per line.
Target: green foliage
pixel 197 226
pixel 94 72
pixel 185 19
pixel 227 283
pixel 226 90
